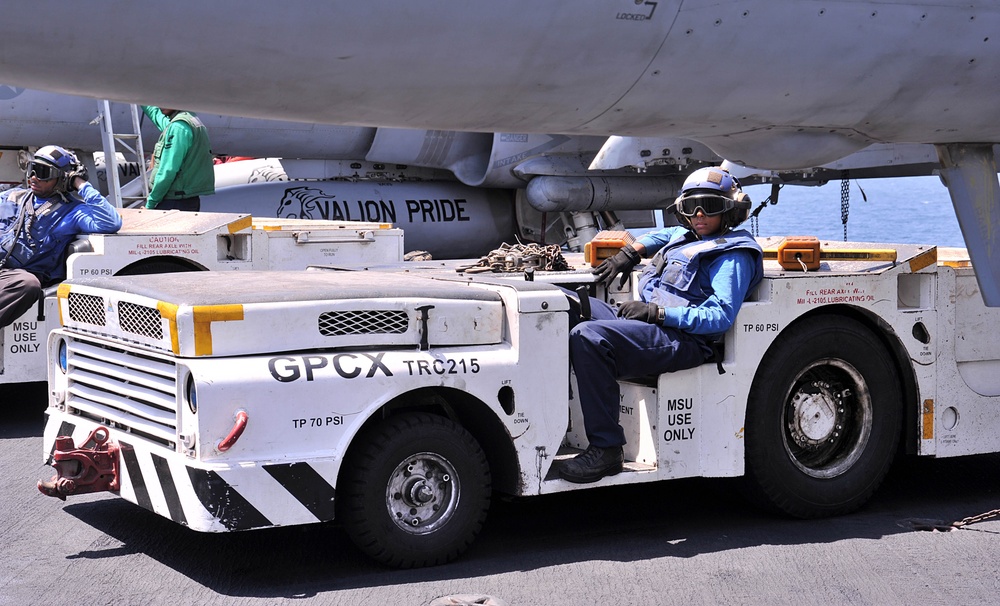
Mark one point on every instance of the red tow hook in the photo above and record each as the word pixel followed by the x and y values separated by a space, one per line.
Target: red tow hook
pixel 227 442
pixel 93 467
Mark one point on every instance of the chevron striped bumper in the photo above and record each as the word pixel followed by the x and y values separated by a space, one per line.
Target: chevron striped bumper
pixel 209 498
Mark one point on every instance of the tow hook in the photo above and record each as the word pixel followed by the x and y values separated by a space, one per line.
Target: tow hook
pixel 92 467
pixel 239 426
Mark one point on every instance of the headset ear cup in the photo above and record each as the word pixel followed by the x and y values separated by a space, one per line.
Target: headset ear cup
pixel 675 208
pixel 743 205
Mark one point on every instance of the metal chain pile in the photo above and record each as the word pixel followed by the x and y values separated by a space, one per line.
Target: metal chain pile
pixel 518 257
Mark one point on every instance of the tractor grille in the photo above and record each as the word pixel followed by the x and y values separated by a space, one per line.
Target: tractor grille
pixel 384 321
pixel 124 389
pixel 87 309
pixel 140 320
pixel 121 320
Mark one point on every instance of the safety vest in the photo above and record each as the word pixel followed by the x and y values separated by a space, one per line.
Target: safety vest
pixel 196 176
pixel 670 279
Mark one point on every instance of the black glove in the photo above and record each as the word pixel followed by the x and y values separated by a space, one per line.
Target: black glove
pixel 622 263
pixel 637 310
pixel 77 171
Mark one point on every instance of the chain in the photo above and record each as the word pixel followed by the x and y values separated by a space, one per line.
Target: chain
pixel 518 257
pixel 976 518
pixel 942 526
pixel 772 199
pixel 845 199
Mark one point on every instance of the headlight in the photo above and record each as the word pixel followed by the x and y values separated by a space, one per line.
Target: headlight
pixel 63 356
pixel 191 394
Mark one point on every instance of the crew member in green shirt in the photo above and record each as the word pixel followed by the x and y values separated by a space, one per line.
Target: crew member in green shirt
pixel 182 161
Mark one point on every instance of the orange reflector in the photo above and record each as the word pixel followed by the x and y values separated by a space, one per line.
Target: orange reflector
pixel 927 423
pixel 799 252
pixel 605 244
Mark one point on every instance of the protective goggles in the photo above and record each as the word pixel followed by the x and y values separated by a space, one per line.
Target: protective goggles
pixel 708 204
pixel 42 172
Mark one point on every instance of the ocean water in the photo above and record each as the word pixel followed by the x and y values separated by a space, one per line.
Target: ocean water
pixel 905 210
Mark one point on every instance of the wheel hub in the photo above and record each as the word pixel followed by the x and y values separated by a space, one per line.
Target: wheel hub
pixel 422 493
pixel 828 418
pixel 419 492
pixel 816 415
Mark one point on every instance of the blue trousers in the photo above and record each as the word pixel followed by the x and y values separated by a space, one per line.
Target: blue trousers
pixel 607 348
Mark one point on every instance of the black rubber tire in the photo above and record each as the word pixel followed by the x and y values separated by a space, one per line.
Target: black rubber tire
pixel 387 474
pixel 154 266
pixel 809 453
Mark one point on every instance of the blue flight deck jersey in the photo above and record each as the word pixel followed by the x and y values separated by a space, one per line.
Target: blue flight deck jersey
pixel 49 225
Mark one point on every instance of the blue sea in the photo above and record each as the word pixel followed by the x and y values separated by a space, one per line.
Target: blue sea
pixel 905 210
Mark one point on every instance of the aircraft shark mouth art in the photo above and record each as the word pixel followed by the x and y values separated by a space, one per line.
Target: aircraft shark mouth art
pixel 9 92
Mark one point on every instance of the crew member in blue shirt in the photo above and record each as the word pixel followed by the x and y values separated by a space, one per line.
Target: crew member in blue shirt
pixel 690 293
pixel 38 222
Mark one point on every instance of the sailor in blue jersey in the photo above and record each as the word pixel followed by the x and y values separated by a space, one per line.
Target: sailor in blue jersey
pixel 38 223
pixel 690 293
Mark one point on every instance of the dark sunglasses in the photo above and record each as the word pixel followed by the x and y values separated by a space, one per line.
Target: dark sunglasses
pixel 42 172
pixel 709 205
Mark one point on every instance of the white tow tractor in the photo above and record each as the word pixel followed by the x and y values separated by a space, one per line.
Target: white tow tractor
pixel 154 241
pixel 397 400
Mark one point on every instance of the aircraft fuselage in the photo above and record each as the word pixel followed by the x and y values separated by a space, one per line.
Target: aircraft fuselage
pixel 777 84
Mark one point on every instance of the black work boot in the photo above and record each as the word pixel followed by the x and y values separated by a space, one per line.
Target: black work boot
pixel 593 464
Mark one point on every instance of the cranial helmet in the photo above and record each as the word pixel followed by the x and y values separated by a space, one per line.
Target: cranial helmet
pixel 56 156
pixel 713 191
pixel 51 162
